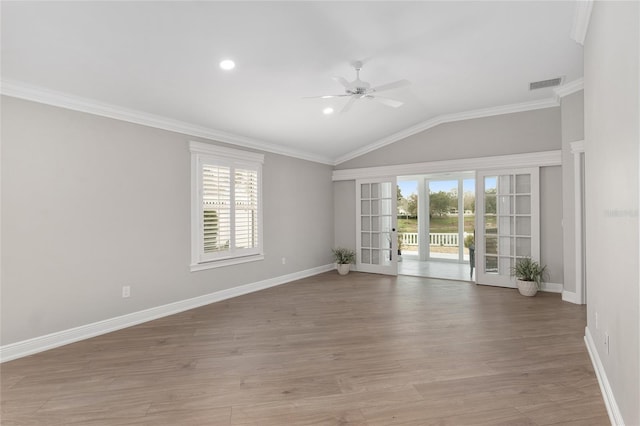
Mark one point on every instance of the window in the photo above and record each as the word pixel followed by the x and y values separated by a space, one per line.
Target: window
pixel 226 206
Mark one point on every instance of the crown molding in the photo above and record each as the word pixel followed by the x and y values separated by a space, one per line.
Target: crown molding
pixel 569 88
pixel 577 147
pixel 21 90
pixel 448 118
pixel 530 159
pixel 581 18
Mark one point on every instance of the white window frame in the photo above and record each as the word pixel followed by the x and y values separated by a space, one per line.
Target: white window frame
pixel 207 154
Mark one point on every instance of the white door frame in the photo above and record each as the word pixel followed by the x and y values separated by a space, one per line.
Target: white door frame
pixel 503 280
pixel 390 268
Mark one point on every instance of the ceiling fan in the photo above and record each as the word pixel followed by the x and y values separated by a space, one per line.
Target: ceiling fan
pixel 358 89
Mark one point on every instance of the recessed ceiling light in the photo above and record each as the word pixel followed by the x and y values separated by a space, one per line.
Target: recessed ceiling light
pixel 327 111
pixel 227 64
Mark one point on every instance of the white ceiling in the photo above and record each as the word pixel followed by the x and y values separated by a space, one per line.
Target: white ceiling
pixel 162 58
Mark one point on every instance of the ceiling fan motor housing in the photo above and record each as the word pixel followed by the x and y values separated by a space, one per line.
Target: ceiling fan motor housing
pixel 359 89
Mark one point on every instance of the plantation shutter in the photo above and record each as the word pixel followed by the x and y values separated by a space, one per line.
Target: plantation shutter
pixel 246 209
pixel 216 207
pixel 226 200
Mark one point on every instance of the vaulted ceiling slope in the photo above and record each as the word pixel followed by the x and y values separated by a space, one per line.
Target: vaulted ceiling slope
pixel 157 62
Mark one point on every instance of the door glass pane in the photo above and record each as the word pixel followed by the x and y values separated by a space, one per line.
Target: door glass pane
pixel 523 204
pixel 504 246
pixel 375 240
pixel 365 191
pixel 375 207
pixel 490 224
pixel 504 205
pixel 365 207
pixel 366 256
pixel 375 257
pixel 506 184
pixel 365 223
pixel 523 225
pixel 385 257
pixel 385 223
pixel 491 264
pixel 504 264
pixel 490 190
pixel 506 225
pixel 491 244
pixel 523 246
pixel 523 184
pixel 385 206
pixel 375 224
pixel 365 239
pixel 375 190
pixel 469 214
pixel 386 190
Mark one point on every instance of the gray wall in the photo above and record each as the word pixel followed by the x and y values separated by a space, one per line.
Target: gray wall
pixel 516 133
pixel 572 112
pixel 611 99
pixel 90 204
pixel 551 223
pixel 529 131
pixel 344 202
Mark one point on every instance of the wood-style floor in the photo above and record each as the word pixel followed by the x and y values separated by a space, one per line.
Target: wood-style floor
pixel 327 350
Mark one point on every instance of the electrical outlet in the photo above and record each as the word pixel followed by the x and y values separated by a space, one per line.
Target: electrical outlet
pixel 284 260
pixel 126 291
pixel 606 342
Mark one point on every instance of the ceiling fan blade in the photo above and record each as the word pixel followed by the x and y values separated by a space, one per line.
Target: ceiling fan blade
pixel 389 86
pixel 386 101
pixel 342 81
pixel 325 96
pixel 348 105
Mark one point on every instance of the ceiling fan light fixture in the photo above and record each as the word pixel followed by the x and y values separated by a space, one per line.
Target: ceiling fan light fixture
pixel 359 89
pixel 227 64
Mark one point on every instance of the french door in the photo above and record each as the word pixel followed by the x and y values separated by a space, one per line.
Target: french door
pixel 507 223
pixel 376 218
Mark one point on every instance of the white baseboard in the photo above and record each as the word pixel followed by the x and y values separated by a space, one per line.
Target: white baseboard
pixel 552 287
pixel 64 337
pixel 570 296
pixel 609 400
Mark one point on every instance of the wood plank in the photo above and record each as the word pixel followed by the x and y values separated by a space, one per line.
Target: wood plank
pixel 359 350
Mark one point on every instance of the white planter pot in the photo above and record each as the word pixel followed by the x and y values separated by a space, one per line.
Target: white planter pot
pixel 343 268
pixel 527 288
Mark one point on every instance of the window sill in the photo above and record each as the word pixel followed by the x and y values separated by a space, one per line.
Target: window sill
pixel 225 262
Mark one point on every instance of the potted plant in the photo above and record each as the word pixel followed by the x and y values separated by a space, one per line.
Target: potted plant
pixel 344 258
pixel 529 276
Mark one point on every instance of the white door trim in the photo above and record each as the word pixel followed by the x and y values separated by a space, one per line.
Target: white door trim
pixel 577 149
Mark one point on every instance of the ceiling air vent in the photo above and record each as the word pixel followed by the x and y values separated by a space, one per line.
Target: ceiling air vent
pixel 545 83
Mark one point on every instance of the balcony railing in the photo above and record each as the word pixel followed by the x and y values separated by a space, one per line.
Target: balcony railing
pixel 435 239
